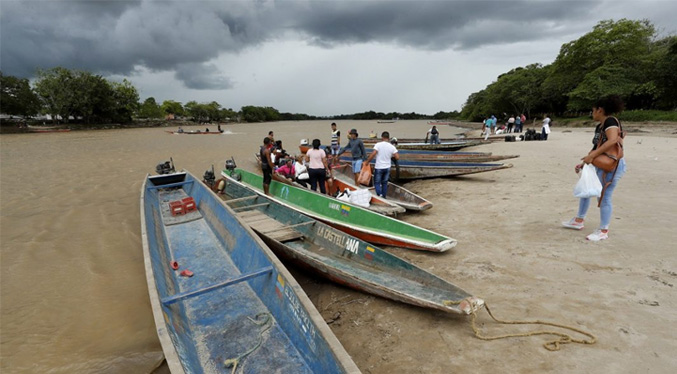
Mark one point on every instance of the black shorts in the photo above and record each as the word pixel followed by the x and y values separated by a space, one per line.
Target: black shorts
pixel 267 175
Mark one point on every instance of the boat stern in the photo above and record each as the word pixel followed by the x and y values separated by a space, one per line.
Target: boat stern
pixel 445 245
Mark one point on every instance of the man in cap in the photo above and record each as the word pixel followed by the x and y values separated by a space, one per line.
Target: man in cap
pixel 383 151
pixel 357 151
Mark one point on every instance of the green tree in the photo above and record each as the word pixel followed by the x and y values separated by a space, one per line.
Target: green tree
pixel 172 107
pixel 17 97
pixel 626 44
pixel 53 87
pixel 125 101
pixel 150 109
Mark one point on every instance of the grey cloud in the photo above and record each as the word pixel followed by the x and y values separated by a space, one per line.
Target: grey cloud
pixel 202 77
pixel 116 37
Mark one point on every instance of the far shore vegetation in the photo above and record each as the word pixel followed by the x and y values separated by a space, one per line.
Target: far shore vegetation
pixel 624 57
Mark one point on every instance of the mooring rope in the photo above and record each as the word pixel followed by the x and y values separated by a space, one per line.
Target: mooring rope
pixel 267 318
pixel 553 345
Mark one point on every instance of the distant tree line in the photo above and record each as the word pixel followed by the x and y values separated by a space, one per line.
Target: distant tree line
pixel 80 96
pixel 624 58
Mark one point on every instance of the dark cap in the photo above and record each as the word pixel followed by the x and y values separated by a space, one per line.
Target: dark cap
pixel 353 131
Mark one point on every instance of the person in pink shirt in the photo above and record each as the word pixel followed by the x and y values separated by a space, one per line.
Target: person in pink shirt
pixel 318 170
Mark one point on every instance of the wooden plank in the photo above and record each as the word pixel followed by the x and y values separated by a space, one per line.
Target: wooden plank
pixel 265 225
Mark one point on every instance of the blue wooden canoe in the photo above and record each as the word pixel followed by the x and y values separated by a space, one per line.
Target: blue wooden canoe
pixel 343 258
pixel 241 306
pixel 352 219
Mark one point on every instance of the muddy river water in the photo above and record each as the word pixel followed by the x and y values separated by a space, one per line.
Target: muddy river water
pixel 73 290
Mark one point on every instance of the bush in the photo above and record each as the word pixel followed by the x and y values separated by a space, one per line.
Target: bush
pixel 648 115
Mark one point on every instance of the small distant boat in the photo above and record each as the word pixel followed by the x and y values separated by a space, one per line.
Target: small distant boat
pixel 405 170
pixel 194 132
pixel 220 297
pixel 349 218
pixel 479 139
pixel 388 120
pixel 397 194
pixel 342 258
pixel 38 129
pixel 440 123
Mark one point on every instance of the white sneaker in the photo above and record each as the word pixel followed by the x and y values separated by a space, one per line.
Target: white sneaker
pixel 597 236
pixel 572 224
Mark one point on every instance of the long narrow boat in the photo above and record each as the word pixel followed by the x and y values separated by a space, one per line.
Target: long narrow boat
pixel 443 140
pixel 352 219
pixel 342 258
pixel 446 146
pixel 406 170
pixel 195 132
pixel 442 156
pixel 240 308
pixel 376 203
pixel 397 194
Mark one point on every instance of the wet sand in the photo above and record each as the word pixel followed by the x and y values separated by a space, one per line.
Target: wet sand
pixel 73 289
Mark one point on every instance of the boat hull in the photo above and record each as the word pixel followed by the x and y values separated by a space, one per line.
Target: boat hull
pixel 239 293
pixel 362 223
pixel 342 258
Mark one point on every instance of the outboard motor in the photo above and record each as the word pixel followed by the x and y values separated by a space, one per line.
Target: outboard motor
pixel 230 165
pixel 166 167
pixel 209 178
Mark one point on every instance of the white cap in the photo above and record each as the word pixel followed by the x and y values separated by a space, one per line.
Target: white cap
pixel 304 141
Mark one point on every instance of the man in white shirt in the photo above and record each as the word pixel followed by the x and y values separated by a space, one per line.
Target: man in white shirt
pixel 383 151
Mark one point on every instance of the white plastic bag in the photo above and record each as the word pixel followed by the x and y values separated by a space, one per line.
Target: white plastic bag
pixel 360 197
pixel 588 185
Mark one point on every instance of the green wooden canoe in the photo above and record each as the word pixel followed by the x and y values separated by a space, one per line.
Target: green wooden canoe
pixel 352 219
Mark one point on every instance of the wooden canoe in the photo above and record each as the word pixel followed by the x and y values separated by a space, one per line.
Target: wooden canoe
pixel 240 297
pixel 406 170
pixel 342 258
pixel 377 203
pixel 442 156
pixel 397 194
pixel 352 219
pixel 196 132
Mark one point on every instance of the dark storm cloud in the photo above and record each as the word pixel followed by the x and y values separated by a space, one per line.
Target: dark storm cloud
pixel 117 37
pixel 202 76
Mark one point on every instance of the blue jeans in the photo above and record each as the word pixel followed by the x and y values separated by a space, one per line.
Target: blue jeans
pixel 605 207
pixel 381 181
pixel 434 138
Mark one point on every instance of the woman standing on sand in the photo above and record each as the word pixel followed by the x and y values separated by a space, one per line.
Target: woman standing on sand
pixel 609 129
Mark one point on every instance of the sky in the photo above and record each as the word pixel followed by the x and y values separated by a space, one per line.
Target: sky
pixel 315 57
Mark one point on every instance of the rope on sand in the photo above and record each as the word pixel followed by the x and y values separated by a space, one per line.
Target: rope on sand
pixel 553 345
pixel 260 319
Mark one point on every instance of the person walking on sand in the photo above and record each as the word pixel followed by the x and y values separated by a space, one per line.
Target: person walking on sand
pixel 318 170
pixel 545 128
pixel 383 151
pixel 335 143
pixel 486 129
pixel 610 131
pixel 357 152
pixel 511 124
pixel 266 164
pixel 518 124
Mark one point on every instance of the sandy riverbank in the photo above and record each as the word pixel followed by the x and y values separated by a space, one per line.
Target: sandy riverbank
pixel 513 253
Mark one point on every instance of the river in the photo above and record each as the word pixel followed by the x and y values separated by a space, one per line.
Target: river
pixel 72 285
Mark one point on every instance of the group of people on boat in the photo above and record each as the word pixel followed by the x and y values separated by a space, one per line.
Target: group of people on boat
pixel 315 168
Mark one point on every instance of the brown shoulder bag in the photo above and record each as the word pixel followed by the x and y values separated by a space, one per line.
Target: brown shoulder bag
pixel 608 161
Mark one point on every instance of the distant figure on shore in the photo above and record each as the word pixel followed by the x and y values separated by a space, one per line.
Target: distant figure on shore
pixel 511 124
pixel 372 135
pixel 545 128
pixel 266 164
pixel 219 128
pixel 383 151
pixel 434 135
pixel 494 121
pixel 180 130
pixel 607 134
pixel 207 129
pixel 357 152
pixel 518 124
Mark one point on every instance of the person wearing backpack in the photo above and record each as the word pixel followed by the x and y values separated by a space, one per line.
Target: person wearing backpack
pixel 608 134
